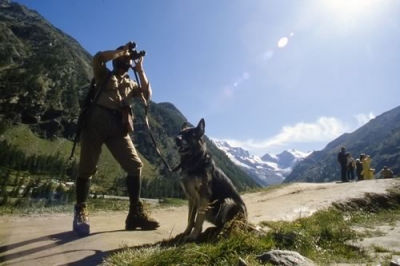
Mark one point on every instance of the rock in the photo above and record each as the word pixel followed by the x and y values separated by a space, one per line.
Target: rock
pixel 285 258
pixel 395 262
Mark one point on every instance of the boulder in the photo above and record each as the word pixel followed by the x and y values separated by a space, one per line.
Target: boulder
pixel 285 258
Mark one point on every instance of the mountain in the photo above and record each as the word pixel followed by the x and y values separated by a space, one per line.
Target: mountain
pixel 42 71
pixel 289 158
pixel 268 170
pixel 379 138
pixel 44 76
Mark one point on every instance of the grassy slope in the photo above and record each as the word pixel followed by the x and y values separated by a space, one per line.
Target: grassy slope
pixel 23 138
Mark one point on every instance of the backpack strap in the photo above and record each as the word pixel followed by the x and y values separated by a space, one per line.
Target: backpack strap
pixel 101 89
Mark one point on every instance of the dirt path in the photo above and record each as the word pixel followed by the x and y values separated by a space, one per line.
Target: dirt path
pixel 47 240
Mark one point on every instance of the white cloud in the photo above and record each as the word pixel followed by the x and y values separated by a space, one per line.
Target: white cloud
pixel 325 129
pixel 362 119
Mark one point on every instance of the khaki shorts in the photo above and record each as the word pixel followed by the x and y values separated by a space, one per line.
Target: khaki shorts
pixel 104 127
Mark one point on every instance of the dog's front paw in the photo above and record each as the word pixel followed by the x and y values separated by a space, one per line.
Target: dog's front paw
pixel 190 238
pixel 187 231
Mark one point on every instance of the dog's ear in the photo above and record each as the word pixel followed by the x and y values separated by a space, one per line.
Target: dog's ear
pixel 184 126
pixel 201 127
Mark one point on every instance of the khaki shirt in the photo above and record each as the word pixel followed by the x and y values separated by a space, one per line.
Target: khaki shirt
pixel 118 91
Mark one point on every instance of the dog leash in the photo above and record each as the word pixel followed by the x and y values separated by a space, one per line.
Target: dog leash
pixel 146 112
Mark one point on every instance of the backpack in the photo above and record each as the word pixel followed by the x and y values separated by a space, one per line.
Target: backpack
pixel 89 98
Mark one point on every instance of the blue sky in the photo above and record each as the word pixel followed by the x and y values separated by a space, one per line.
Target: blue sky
pixel 266 75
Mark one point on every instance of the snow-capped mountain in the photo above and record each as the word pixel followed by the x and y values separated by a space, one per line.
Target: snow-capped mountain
pixel 289 158
pixel 266 170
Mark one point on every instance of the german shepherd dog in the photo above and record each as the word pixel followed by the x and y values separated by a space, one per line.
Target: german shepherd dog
pixel 211 194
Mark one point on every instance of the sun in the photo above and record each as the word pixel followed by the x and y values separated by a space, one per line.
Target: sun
pixel 350 11
pixel 351 7
pixel 347 9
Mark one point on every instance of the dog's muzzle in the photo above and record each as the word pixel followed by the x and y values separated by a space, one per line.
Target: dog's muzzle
pixel 182 147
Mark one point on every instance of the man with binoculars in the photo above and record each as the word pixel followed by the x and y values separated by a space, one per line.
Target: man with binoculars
pixel 109 122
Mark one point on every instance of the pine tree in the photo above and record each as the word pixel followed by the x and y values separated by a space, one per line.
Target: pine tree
pixel 4 200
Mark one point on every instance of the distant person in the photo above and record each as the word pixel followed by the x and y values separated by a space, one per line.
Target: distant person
pixel 386 173
pixel 359 168
pixel 367 171
pixel 350 166
pixel 342 159
pixel 109 122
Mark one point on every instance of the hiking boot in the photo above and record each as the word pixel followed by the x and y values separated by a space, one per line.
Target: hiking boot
pixel 138 218
pixel 80 224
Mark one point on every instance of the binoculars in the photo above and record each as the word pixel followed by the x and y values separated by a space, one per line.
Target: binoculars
pixel 134 53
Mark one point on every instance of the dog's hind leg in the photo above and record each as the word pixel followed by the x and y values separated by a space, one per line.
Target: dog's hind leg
pixel 232 210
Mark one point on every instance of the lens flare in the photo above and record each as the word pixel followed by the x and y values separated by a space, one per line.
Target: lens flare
pixel 268 54
pixel 282 42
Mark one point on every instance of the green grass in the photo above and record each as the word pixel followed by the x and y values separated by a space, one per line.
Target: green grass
pixel 170 202
pixel 22 137
pixel 379 249
pixel 224 252
pixel 326 237
pixel 321 237
pixel 369 220
pixel 38 208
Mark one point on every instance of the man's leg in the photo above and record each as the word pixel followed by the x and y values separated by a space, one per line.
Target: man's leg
pixel 91 143
pixel 125 153
pixel 133 185
pixel 343 173
pixel 82 189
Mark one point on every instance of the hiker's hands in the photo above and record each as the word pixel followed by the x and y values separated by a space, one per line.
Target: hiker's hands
pixel 139 64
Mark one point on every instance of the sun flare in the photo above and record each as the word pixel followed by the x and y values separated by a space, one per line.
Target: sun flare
pixel 350 7
pixel 350 11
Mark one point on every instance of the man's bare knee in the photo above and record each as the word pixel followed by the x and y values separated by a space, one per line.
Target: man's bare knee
pixel 135 171
pixel 134 168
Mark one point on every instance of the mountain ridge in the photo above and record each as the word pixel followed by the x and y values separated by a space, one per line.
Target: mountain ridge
pixel 267 170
